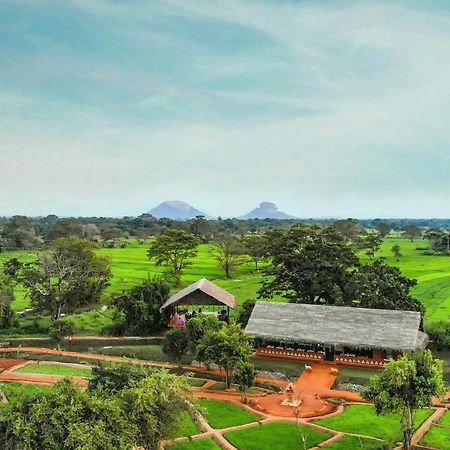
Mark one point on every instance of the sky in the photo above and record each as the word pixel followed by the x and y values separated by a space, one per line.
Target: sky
pixel 327 108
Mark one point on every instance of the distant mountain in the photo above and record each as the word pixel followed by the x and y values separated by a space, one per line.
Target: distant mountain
pixel 175 210
pixel 266 210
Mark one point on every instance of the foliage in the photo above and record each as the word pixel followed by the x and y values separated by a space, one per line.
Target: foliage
pixel 138 309
pixel 439 333
pixel 6 298
pixel 396 250
pixel 175 344
pixel 406 385
pixel 245 312
pixel 66 418
pixel 255 247
pixel 61 328
pixel 67 276
pixel 349 228
pixel 439 239
pixel 227 347
pixel 244 375
pixel 155 405
pixel 173 249
pixel 383 228
pixel 370 241
pixel 412 231
pixel 228 251
pixel 19 232
pixel 110 379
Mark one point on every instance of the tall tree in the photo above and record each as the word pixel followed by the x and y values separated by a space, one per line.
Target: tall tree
pixel 138 309
pixel 406 385
pixel 310 264
pixel 19 232
pixel 67 276
pixel 173 249
pixel 228 251
pixel 64 228
pixel 245 311
pixel 349 228
pixel 396 250
pixel 6 297
pixel 370 241
pixel 383 228
pixel 412 231
pixel 255 247
pixel 229 347
pixel 439 239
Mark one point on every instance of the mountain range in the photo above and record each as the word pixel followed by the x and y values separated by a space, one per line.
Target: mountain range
pixel 178 210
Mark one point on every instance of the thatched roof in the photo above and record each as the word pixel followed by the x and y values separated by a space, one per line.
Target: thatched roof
pixel 202 292
pixel 337 325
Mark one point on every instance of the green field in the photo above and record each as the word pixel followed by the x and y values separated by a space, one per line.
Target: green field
pixel 276 436
pixel 188 427
pixel 437 437
pixel 221 414
pixel 362 419
pixel 198 444
pixel 55 369
pixel 356 443
pixel 13 391
pixel 130 265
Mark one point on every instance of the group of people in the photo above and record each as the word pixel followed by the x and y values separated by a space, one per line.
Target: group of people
pixel 181 316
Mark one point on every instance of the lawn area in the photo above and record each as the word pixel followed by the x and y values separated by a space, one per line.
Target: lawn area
pixel 195 382
pixel 362 419
pixel 55 369
pixel 198 444
pixel 276 436
pixel 221 414
pixel 285 369
pixel 445 419
pixel 437 437
pixel 15 390
pixel 356 443
pixel 188 427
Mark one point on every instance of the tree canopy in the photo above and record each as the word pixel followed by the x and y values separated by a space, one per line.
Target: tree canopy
pixel 406 385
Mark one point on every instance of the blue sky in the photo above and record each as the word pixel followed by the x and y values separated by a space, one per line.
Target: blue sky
pixel 327 108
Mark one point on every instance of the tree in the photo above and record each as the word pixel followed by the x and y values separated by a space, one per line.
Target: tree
pixel 244 376
pixel 66 418
pixel 412 231
pixel 68 276
pixel 349 228
pixel 175 344
pixel 6 297
pixel 396 250
pixel 379 286
pixel 370 241
pixel 19 232
pixel 255 247
pixel 310 264
pixel 155 406
pixel 173 249
pixel 228 251
pixel 111 379
pixel 60 329
pixel 138 310
pixel 383 229
pixel 197 327
pixel 227 347
pixel 439 240
pixel 406 385
pixel 65 228
pixel 245 312
pixel 201 228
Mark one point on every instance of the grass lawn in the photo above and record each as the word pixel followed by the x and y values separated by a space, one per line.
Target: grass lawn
pixel 276 436
pixel 188 427
pixel 198 444
pixel 55 369
pixel 356 443
pixel 445 419
pixel 221 414
pixel 15 390
pixel 362 419
pixel 437 437
pixel 195 382
pixel 288 369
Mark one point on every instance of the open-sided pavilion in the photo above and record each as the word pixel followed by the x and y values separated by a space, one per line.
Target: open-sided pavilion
pixel 201 293
pixel 350 336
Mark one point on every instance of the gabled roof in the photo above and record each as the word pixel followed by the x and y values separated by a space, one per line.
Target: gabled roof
pixel 337 325
pixel 202 292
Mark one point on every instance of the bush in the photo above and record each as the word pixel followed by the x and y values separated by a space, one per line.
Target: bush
pixel 439 333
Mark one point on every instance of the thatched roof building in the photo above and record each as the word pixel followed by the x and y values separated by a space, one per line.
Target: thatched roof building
pixel 337 326
pixel 202 292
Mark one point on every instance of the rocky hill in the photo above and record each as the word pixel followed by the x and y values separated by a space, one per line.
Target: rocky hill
pixel 175 210
pixel 266 210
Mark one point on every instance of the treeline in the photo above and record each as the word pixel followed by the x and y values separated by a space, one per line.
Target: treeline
pixel 22 232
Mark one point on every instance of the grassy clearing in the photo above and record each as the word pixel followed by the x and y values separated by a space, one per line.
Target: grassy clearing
pixel 445 419
pixel 362 419
pixel 437 437
pixel 285 369
pixel 357 443
pixel 198 444
pixel 55 369
pixel 195 382
pixel 276 436
pixel 188 427
pixel 130 266
pixel 221 414
pixel 14 391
